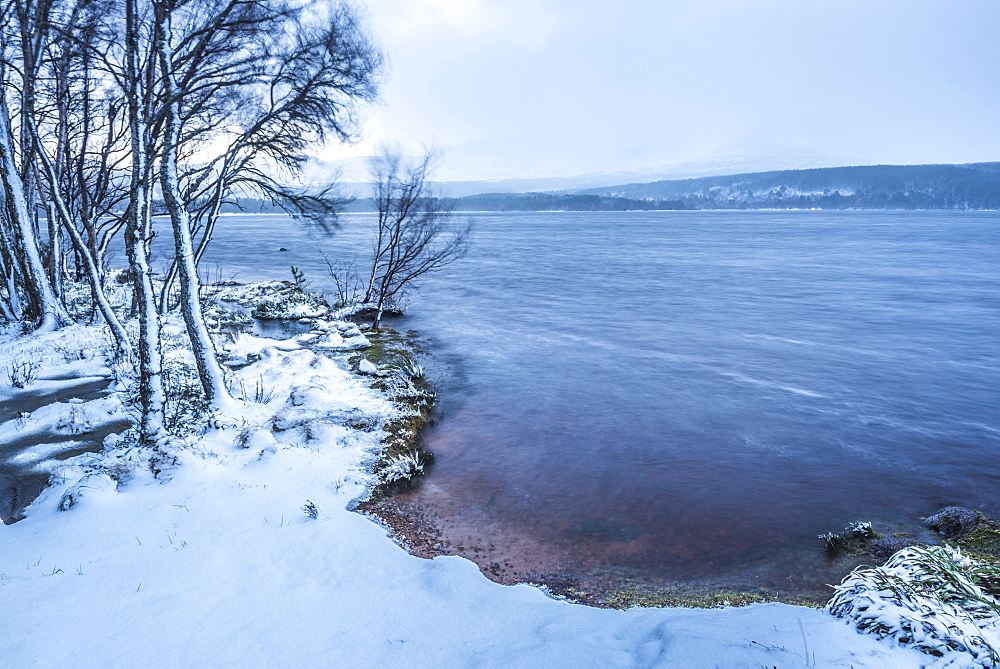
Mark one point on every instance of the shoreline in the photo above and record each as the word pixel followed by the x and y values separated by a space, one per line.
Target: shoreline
pixel 250 516
pixel 421 532
pixel 424 533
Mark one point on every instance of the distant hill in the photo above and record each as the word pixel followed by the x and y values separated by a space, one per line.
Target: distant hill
pixel 971 186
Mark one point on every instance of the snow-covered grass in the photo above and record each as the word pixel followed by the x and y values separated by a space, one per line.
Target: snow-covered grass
pixel 855 536
pixel 930 598
pixel 402 467
pixel 274 299
pixel 243 551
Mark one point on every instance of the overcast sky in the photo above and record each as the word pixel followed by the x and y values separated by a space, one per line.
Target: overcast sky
pixel 537 88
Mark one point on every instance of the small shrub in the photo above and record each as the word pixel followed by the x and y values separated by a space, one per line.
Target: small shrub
pixel 310 510
pixel 402 467
pixel 22 372
pixel 186 409
pixel 299 278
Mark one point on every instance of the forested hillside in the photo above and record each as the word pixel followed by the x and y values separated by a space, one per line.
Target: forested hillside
pixel 973 186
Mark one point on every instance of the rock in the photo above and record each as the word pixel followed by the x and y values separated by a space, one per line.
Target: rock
pixel 883 548
pixel 236 360
pixel 358 342
pixel 305 321
pixel 282 249
pixel 367 367
pixel 954 522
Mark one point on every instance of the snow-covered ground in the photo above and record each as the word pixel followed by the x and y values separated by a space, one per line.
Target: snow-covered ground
pixel 217 563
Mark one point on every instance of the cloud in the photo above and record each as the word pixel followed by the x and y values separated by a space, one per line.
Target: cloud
pixel 578 86
pixel 524 22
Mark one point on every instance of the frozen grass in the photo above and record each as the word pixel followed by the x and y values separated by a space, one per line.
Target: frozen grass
pixel 402 467
pixel 851 540
pixel 410 367
pixel 929 598
pixel 22 372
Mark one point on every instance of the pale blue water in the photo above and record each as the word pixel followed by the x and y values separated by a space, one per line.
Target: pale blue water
pixel 698 394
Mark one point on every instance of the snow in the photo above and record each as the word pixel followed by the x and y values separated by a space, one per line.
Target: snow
pixel 218 562
pixel 927 596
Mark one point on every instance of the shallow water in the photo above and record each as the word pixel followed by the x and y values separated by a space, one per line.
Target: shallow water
pixel 23 478
pixel 697 395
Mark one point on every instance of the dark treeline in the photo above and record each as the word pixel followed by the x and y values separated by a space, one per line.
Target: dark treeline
pixel 523 202
pixel 553 202
pixel 974 186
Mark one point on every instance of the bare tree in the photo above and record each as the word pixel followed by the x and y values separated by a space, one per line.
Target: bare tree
pixel 136 76
pixel 209 371
pixel 294 81
pixel 347 283
pixel 414 235
pixel 274 77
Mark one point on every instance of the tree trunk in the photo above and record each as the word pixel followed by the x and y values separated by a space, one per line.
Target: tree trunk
pixel 150 361
pixel 209 371
pixel 60 211
pixel 42 304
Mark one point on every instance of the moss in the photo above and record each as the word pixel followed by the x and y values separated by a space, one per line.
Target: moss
pixel 388 346
pixel 632 593
pixel 632 597
pixel 982 541
pixel 403 435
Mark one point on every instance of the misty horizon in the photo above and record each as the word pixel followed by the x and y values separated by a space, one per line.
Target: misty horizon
pixel 527 90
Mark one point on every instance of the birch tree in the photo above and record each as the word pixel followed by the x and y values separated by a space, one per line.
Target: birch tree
pixel 209 371
pixel 413 234
pixel 275 78
pixel 42 307
pixel 136 79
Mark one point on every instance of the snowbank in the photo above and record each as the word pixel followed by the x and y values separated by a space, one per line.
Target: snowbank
pixel 221 562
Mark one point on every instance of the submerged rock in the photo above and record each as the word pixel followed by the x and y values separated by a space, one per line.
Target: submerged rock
pixel 861 539
pixel 883 548
pixel 954 522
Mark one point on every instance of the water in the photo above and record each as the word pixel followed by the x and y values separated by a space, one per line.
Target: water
pixel 696 395
pixel 21 481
